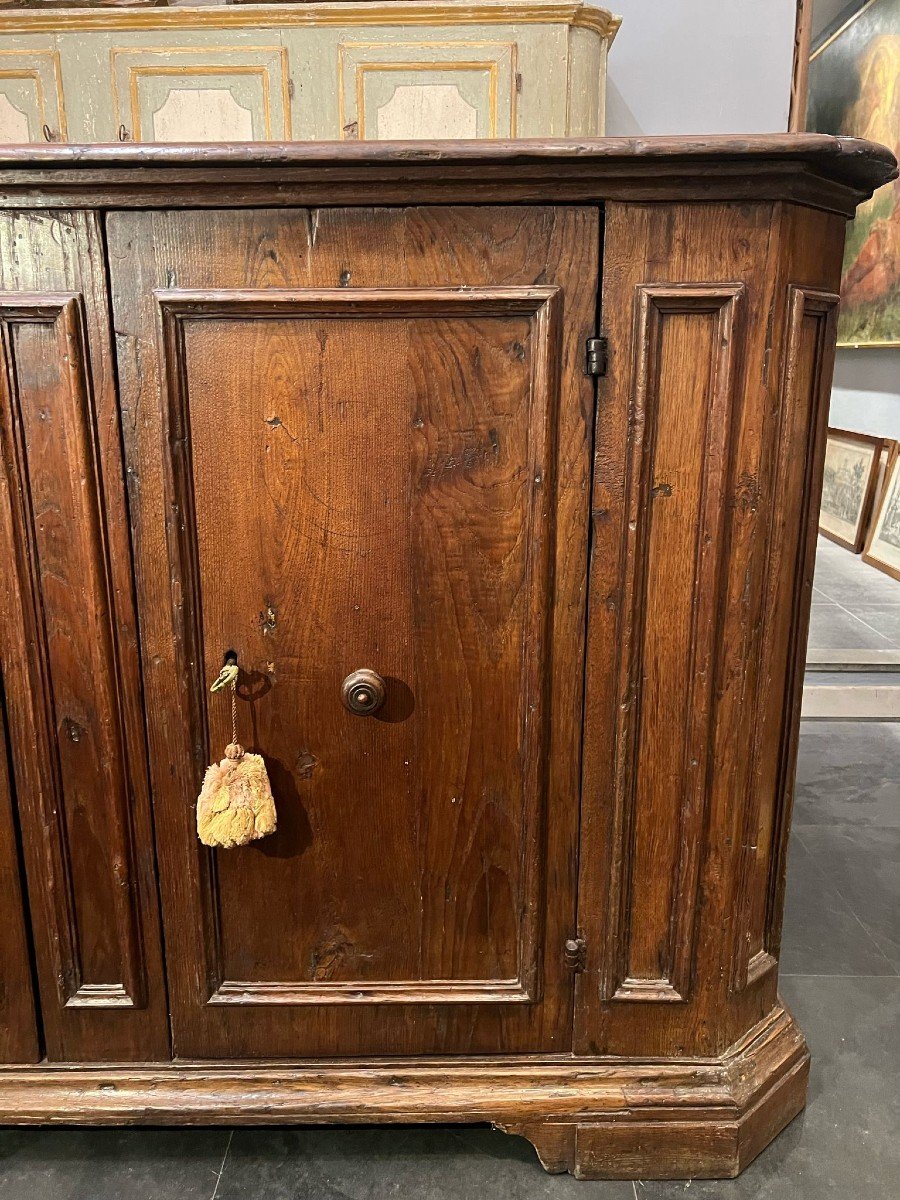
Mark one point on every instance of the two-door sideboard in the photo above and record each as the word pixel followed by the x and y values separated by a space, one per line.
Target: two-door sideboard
pixel 532 434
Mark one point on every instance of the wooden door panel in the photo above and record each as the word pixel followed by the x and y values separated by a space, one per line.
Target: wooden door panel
pixel 364 476
pixel 69 662
pixel 19 1040
pixel 416 543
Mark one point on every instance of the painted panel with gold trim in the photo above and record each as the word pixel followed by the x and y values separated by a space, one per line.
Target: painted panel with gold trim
pixel 427 89
pixel 201 94
pixel 31 96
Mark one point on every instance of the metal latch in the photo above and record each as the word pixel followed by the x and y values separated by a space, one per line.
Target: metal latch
pixel 596 356
pixel 576 953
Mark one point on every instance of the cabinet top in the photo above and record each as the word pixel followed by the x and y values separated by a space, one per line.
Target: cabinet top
pixel 313 14
pixel 813 169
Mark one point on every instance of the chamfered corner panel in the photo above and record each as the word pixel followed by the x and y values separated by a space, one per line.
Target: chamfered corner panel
pixel 708 432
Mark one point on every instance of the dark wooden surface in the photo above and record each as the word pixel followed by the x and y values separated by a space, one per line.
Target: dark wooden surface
pixel 359 476
pixel 813 169
pixel 19 1041
pixel 692 525
pixel 363 437
pixel 69 650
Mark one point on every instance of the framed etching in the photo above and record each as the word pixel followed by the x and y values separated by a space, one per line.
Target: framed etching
pixel 888 447
pixel 883 547
pixel 848 486
pixel 853 90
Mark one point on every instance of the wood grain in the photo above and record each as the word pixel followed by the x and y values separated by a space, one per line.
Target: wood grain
pixel 544 885
pixel 685 375
pixel 66 627
pixel 597 1118
pixel 398 446
pixel 19 1041
pixel 824 172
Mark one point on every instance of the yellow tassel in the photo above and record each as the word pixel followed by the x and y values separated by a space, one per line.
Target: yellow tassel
pixel 235 805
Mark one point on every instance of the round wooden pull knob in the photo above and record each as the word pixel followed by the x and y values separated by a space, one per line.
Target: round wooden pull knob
pixel 363 692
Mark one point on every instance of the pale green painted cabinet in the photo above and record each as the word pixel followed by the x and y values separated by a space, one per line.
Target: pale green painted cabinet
pixel 496 68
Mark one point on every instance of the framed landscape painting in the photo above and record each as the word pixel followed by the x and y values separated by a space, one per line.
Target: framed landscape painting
pixel 883 549
pixel 848 486
pixel 854 89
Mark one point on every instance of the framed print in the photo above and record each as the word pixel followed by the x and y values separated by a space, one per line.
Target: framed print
pixel 888 446
pixel 854 90
pixel 848 486
pixel 883 547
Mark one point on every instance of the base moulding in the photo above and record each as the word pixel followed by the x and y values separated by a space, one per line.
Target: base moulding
pixel 599 1118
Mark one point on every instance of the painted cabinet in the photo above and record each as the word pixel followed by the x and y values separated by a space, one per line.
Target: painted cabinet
pixel 326 71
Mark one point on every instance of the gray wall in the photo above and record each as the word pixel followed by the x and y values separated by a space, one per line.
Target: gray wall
pixel 700 66
pixel 718 66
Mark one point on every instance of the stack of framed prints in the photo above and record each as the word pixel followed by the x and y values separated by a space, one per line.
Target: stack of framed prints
pixel 883 545
pixel 853 463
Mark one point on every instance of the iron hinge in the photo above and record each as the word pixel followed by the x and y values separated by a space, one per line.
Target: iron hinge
pixel 596 356
pixel 576 952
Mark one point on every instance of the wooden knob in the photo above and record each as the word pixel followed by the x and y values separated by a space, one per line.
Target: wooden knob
pixel 362 692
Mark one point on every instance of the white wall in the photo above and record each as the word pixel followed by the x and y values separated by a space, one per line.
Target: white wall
pixel 724 66
pixel 700 66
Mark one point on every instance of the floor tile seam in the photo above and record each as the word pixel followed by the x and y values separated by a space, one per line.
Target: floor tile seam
pixel 820 871
pixel 222 1166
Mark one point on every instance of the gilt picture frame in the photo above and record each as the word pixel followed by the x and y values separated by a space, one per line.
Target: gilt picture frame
pixel 854 90
pixel 848 486
pixel 883 545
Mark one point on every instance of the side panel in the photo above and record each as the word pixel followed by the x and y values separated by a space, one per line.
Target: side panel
pixel 720 344
pixel 69 652
pixel 685 376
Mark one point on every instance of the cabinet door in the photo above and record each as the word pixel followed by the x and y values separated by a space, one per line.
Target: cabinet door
pixel 431 89
pixel 220 93
pixel 31 96
pixel 68 650
pixel 359 440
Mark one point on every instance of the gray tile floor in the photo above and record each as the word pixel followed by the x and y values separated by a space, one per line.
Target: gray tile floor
pixel 841 976
pixel 854 606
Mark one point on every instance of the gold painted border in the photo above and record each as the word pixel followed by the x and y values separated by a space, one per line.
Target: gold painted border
pixel 600 21
pixel 481 44
pixel 117 52
pixel 135 74
pixel 363 69
pixel 35 73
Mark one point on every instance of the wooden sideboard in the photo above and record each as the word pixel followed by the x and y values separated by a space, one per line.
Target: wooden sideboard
pixel 335 69
pixel 535 431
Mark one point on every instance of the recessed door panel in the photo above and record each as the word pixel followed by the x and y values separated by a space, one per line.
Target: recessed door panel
pixel 348 477
pixel 70 671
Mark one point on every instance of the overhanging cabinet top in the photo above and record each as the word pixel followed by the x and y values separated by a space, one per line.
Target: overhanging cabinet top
pixel 824 172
